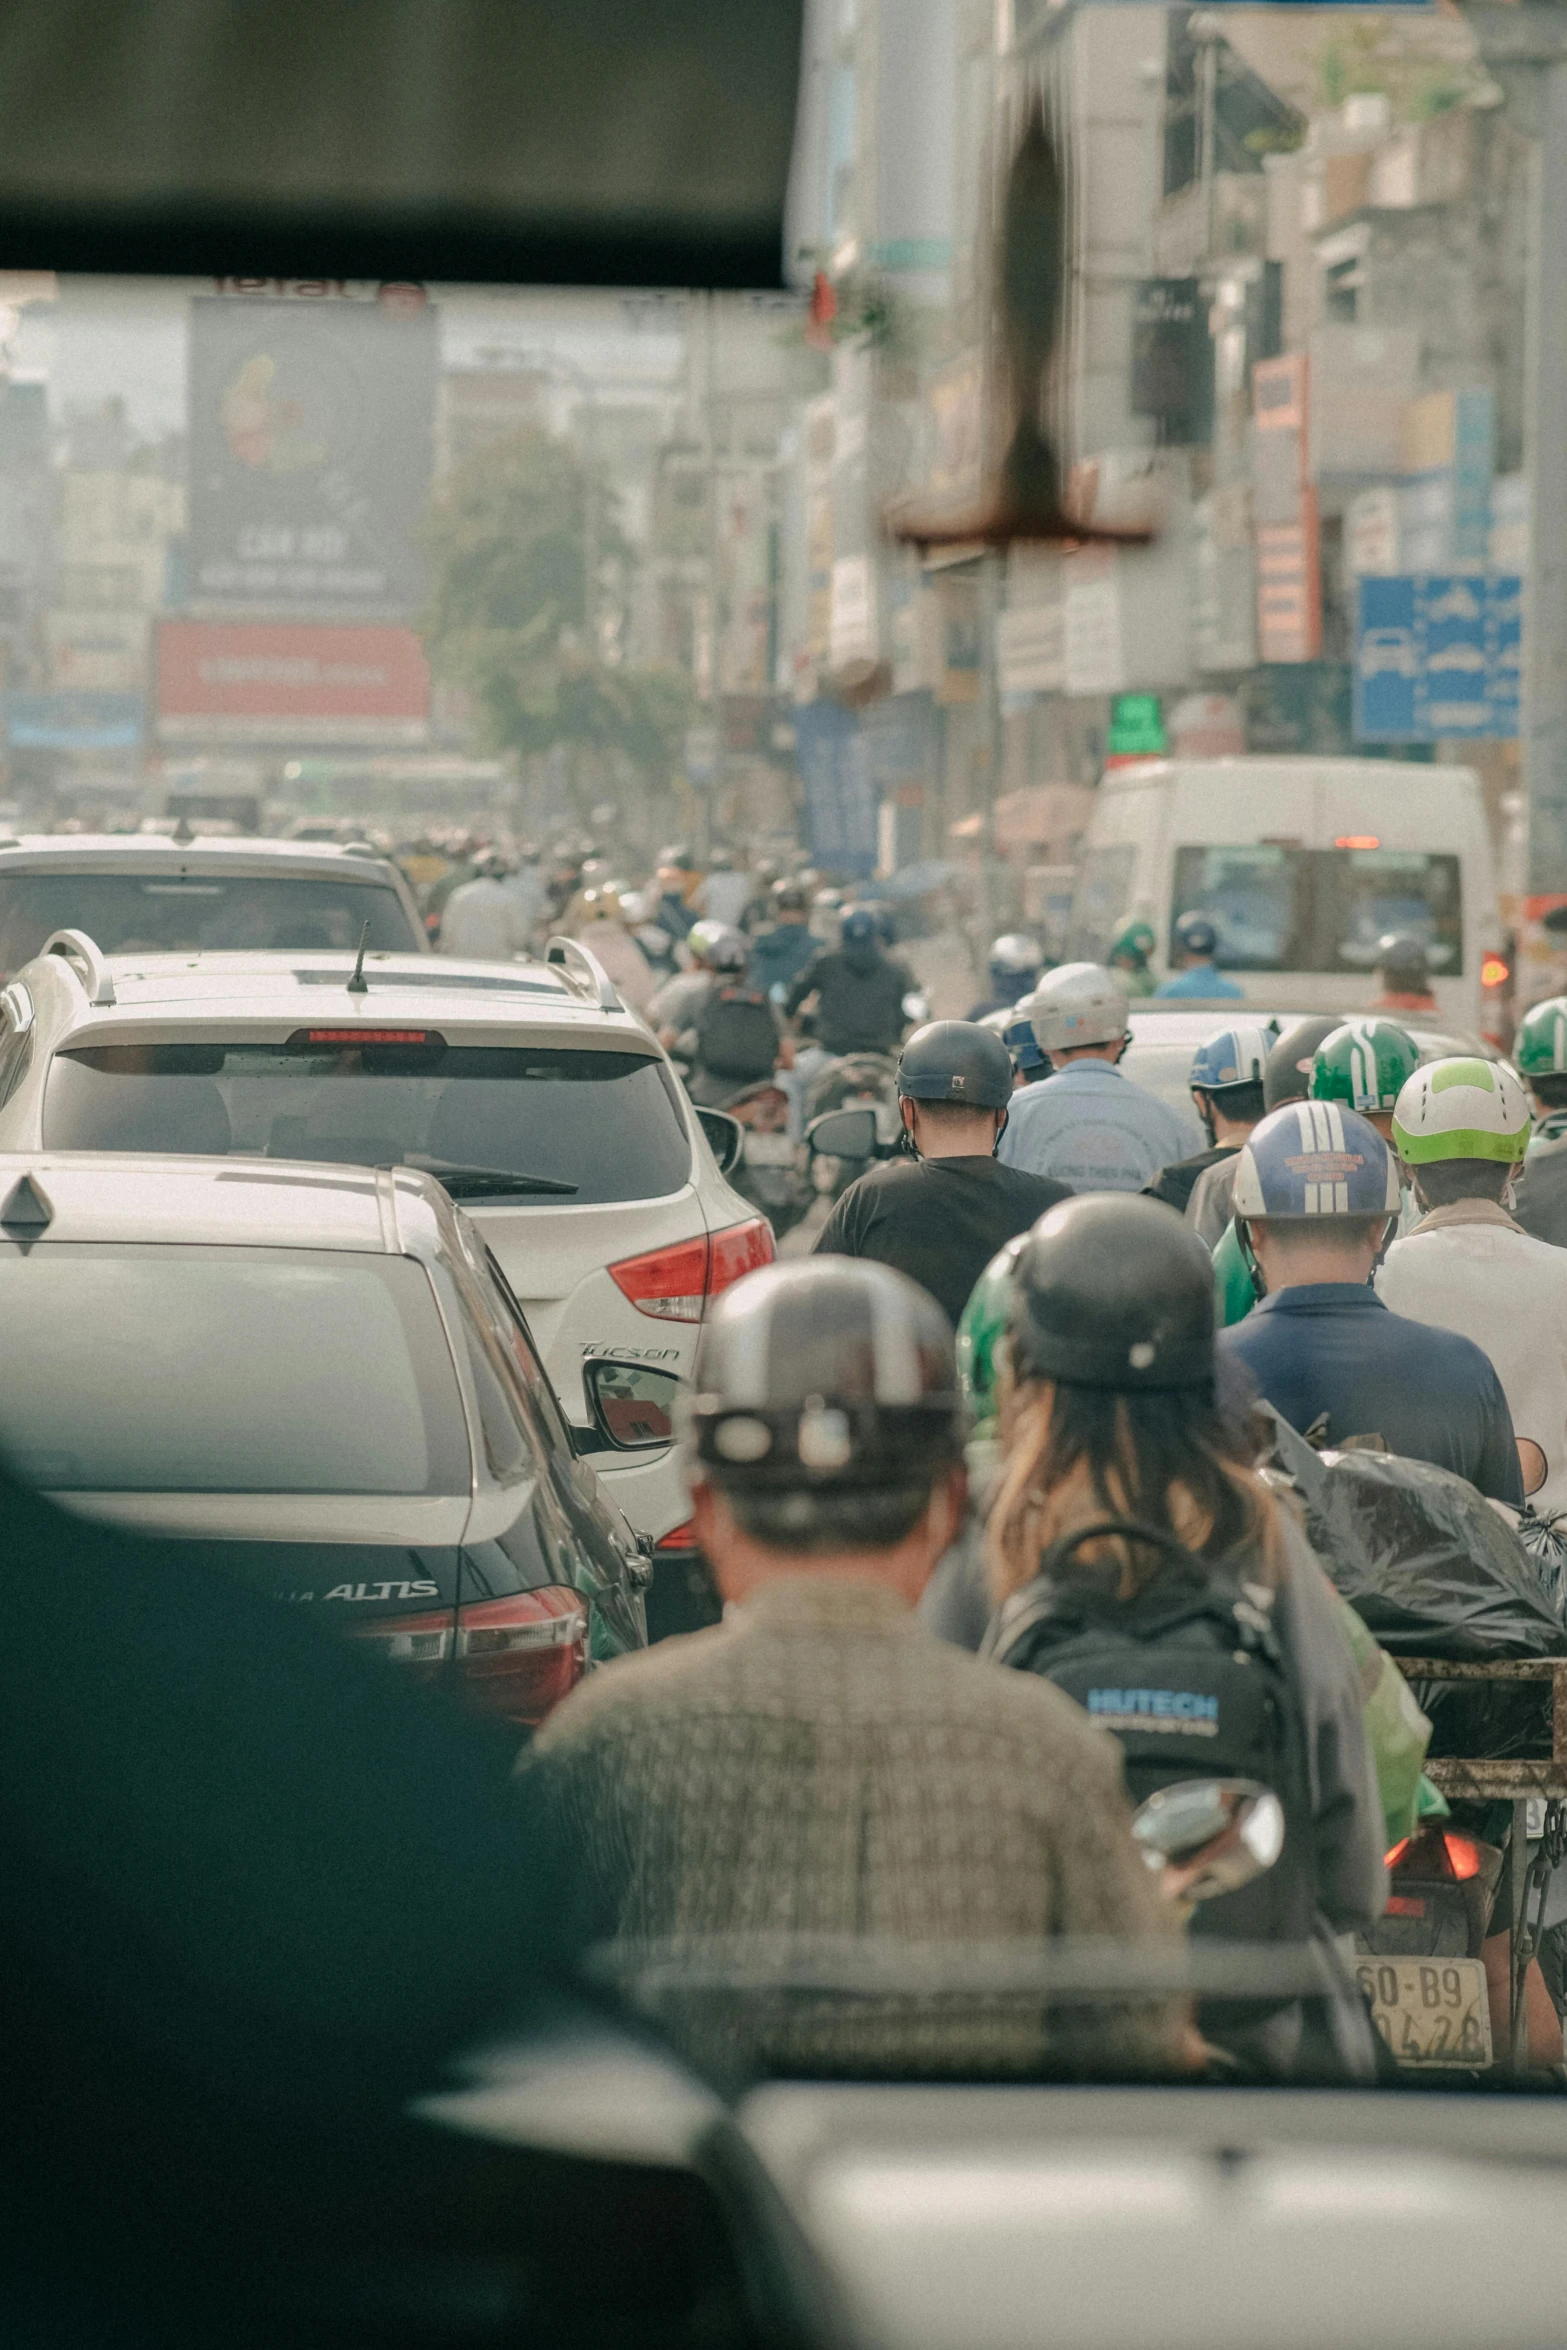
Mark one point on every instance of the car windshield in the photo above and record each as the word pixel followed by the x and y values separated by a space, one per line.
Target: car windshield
pixel 227 1370
pixel 169 912
pixel 1089 483
pixel 589 1126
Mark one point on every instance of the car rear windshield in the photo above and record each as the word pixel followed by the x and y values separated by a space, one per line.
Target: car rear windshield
pixel 153 1369
pixel 168 913
pixel 1278 908
pixel 604 1125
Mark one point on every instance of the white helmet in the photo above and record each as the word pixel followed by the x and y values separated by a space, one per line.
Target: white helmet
pixel 1464 1108
pixel 1078 1003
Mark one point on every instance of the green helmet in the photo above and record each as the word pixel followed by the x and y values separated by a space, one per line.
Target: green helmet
pixel 1461 1109
pixel 1135 938
pixel 1540 1046
pixel 1366 1063
pixel 980 1332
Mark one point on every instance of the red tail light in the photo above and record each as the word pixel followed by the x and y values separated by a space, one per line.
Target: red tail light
pixel 674 1284
pixel 1464 1856
pixel 681 1537
pixel 1445 1854
pixel 515 1657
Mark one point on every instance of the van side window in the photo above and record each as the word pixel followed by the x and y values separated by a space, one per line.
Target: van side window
pixel 1101 901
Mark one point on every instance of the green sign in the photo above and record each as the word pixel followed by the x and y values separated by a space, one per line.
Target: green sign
pixel 1136 727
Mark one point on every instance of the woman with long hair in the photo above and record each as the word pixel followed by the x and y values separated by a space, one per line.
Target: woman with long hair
pixel 1138 1559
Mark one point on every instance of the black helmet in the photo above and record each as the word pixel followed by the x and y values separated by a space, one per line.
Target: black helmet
pixel 1286 1074
pixel 956 1061
pixel 860 927
pixel 789 898
pixel 1402 958
pixel 1196 935
pixel 831 1374
pixel 1113 1291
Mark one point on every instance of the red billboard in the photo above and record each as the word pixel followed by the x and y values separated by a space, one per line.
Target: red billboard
pixel 296 682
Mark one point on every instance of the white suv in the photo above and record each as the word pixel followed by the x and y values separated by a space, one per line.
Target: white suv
pixel 539 1103
pixel 143 893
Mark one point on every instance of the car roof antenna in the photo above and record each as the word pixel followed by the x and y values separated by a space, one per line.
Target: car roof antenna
pixel 359 984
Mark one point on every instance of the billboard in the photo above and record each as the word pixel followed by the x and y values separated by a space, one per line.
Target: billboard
pixel 256 681
pixel 73 721
pixel 312 442
pixel 1438 657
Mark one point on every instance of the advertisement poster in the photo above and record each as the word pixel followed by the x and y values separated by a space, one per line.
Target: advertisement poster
pixel 312 446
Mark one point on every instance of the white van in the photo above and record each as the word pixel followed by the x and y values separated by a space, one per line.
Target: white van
pixel 1303 865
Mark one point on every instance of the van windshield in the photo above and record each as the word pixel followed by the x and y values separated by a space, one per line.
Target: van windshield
pixel 1293 909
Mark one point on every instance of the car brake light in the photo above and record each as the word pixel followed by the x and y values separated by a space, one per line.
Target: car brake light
pixel 669 1283
pixel 367 1035
pixel 516 1657
pixel 1494 971
pixel 738 1250
pixel 1405 1905
pixel 1390 1860
pixel 1357 840
pixel 682 1537
pixel 674 1284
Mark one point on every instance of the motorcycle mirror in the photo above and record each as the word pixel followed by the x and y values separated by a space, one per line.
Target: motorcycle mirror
pixel 1203 1837
pixel 843 1134
pixel 725 1137
pixel 1532 1463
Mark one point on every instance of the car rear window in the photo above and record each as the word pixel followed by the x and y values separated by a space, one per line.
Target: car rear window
pixel 169 913
pixel 153 1369
pixel 606 1125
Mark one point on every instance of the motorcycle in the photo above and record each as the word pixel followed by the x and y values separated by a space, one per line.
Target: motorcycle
pixel 866 1082
pixel 770 1171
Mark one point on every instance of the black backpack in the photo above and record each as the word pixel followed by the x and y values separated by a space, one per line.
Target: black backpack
pixel 1190 1678
pixel 737 1035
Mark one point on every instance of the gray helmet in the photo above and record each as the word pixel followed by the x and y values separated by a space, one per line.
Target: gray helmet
pixel 956 1061
pixel 828 1374
pixel 1078 1003
pixel 1111 1291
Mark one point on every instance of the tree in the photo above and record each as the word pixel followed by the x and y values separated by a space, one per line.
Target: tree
pixel 507 615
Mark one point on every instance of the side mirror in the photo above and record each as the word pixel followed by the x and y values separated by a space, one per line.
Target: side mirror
pixel 1202 1837
pixel 843 1134
pixel 633 1404
pixel 725 1137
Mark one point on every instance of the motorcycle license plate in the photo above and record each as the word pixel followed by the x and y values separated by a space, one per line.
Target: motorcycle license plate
pixel 1430 2011
pixel 769 1150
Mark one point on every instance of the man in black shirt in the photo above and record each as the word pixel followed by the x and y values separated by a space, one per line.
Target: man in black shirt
pixel 859 990
pixel 941 1216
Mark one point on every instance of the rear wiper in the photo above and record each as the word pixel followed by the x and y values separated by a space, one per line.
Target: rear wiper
pixel 485 1182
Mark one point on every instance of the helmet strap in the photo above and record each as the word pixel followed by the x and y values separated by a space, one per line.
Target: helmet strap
pixel 1204 1112
pixel 1243 1234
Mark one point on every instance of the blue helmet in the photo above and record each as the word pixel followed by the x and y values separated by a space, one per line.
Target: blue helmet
pixel 1312 1159
pixel 1021 1042
pixel 1233 1056
pixel 1196 935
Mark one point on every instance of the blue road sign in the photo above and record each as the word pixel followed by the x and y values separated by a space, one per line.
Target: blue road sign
pixel 1438 657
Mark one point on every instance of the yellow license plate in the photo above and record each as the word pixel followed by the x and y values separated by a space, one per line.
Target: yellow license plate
pixel 1430 2011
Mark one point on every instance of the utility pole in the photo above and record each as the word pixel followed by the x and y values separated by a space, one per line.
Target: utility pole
pixel 1524 46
